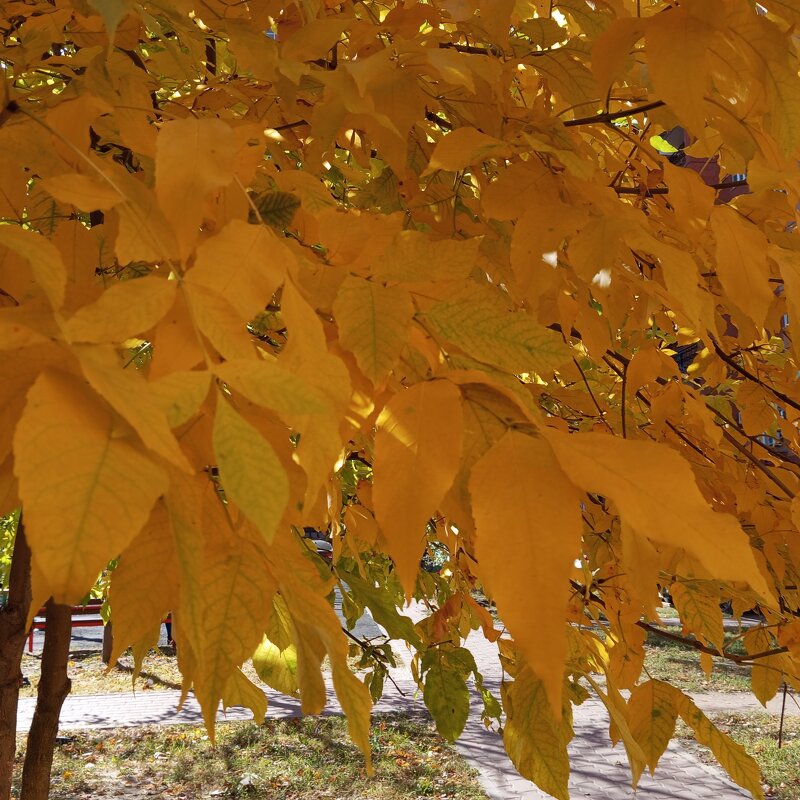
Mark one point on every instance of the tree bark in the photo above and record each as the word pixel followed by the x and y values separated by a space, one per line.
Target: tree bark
pixel 13 616
pixel 54 686
pixel 108 642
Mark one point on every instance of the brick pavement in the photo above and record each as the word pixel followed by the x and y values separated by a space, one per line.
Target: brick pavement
pixel 599 771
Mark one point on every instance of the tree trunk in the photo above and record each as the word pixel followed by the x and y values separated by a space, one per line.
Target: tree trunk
pixel 108 642
pixel 54 686
pixel 12 643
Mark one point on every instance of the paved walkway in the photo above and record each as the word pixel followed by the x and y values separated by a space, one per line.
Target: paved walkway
pixel 599 771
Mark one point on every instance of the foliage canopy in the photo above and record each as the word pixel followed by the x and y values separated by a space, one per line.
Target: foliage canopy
pixel 415 272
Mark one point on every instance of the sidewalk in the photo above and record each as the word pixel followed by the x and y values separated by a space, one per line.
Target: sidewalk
pixel 599 771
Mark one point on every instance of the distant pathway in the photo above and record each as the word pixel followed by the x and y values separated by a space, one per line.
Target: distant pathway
pixel 599 771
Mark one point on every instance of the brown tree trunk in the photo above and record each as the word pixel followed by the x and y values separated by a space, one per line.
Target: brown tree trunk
pixel 54 686
pixel 108 642
pixel 13 616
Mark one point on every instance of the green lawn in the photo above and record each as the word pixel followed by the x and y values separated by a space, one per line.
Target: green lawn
pixel 680 666
pixel 301 759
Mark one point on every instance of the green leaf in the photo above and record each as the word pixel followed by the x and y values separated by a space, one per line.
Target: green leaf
pixel 446 694
pixel 277 209
pixel 380 603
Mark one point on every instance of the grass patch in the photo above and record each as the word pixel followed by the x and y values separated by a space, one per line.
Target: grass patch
pixel 758 734
pixel 680 665
pixel 88 673
pixel 310 758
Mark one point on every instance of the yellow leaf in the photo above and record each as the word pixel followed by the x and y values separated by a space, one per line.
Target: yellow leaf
pixel 741 766
pixel 700 612
pixel 775 63
pixel 524 505
pixel 612 50
pixel 145 233
pixel 237 596
pixel 766 676
pixel 144 586
pixel 49 270
pixel 314 39
pixel 127 393
pixel 241 691
pixel 83 192
pixel 175 343
pixel 669 65
pixel 565 74
pixel 185 503
pixel 645 367
pixel 535 739
pixel 620 729
pixel 374 322
pixel 318 631
pixel 9 500
pixel 251 473
pixel 476 321
pixel 656 494
pixel 414 257
pixel 125 310
pixel 243 263
pixel 193 157
pixel 15 333
pixel 463 148
pixel 219 321
pixel 277 668
pixel 652 712
pixel 307 355
pixel 179 395
pixel 417 454
pixel 86 490
pixel 706 664
pixel 452 67
pixel 112 12
pixel 270 385
pixel 742 269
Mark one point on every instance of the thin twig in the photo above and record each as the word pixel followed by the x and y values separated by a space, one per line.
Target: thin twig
pixel 594 399
pixel 745 373
pixel 610 116
pixel 365 647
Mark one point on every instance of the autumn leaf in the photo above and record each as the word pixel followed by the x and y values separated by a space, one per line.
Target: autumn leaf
pixel 465 147
pixel 124 310
pixel 533 737
pixel 193 157
pixel 477 323
pixel 417 452
pixel 69 460
pixel 524 504
pixel 44 258
pixel 653 710
pixel 374 321
pixel 657 495
pixel 252 476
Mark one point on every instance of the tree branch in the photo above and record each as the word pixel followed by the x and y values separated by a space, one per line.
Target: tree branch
pixel 712 651
pixel 610 116
pixel 440 121
pixel 731 362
